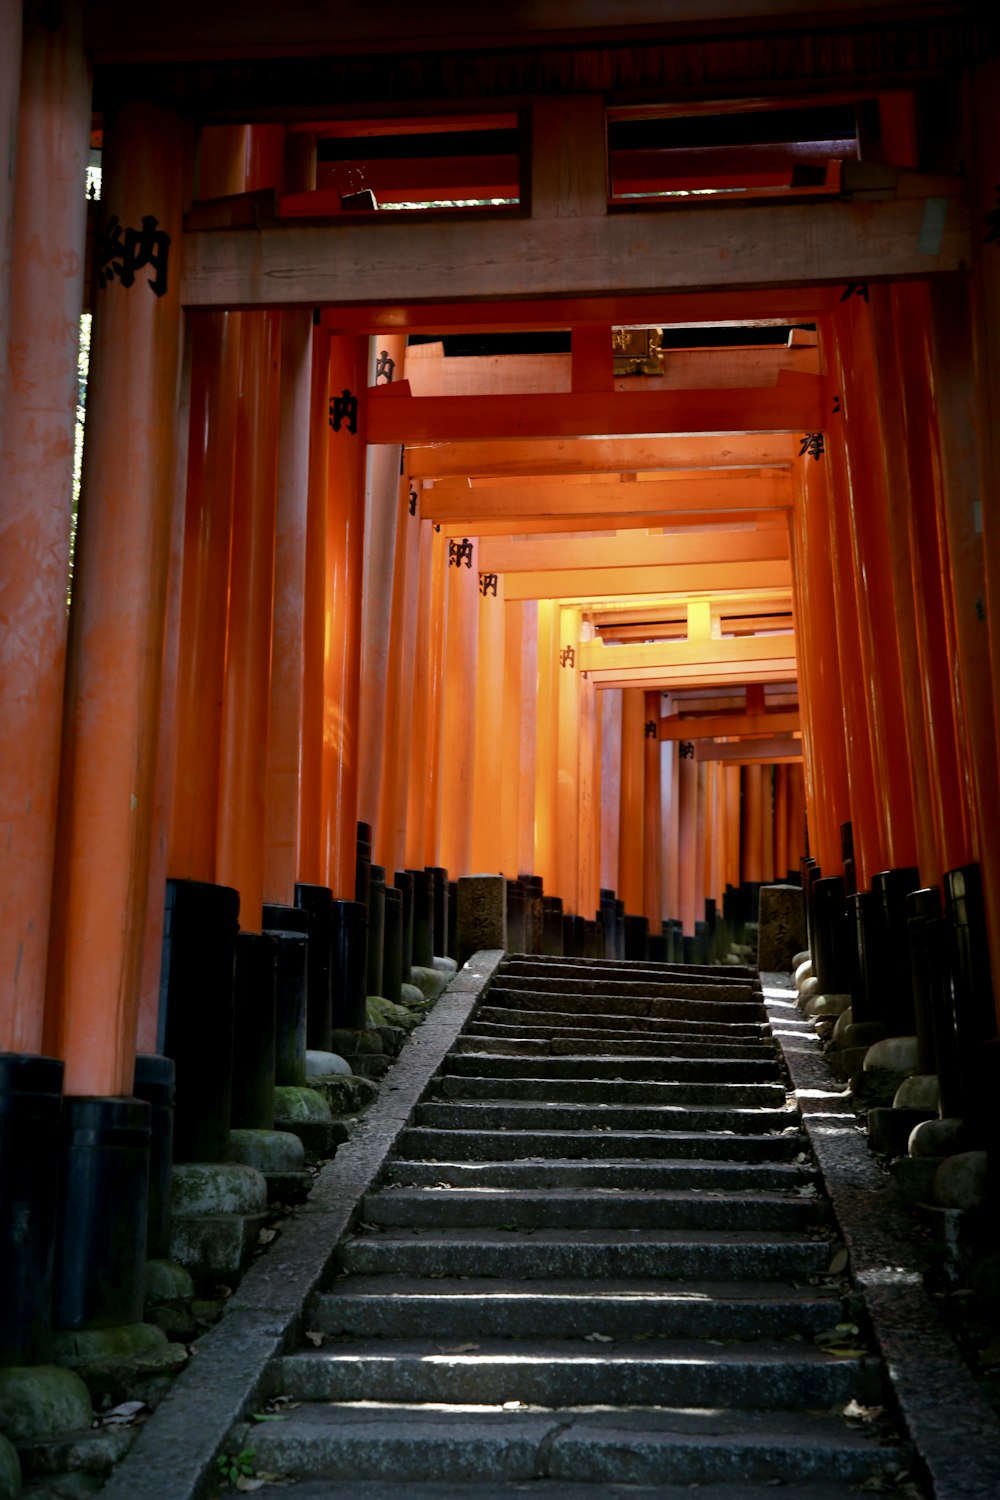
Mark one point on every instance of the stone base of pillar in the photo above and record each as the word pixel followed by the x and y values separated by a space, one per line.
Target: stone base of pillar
pixel 481 915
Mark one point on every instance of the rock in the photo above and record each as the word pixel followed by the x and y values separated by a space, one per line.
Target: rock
pixel 217 1188
pixel 481 915
pixel 10 1470
pixel 781 927
pixel 430 982
pixel 267 1150
pixel 347 1096
pixel 325 1064
pixel 862 1034
pixel 962 1181
pixel 801 958
pixel 353 1043
pixel 894 1054
pixel 802 973
pixel 919 1091
pixel 843 1021
pixel 939 1138
pixel 410 994
pixel 382 1013
pixel 826 1005
pixel 166 1281
pixel 808 990
pixel 294 1103
pixel 445 965
pixel 42 1401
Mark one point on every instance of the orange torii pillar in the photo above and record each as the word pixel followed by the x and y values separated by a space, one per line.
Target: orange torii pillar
pixel 42 320
pixel 950 791
pixel 731 777
pixel 853 363
pixel 687 833
pixel 752 862
pixel 781 865
pixel 528 760
pixel 546 746
pixel 954 403
pixel 652 842
pixel 821 692
pixel 670 827
pixel 796 816
pixel 610 708
pixel 487 777
pixel 311 863
pixel 117 618
pixel 867 817
pixel 382 486
pixel 390 835
pixel 767 824
pixel 345 529
pixel 567 810
pixel 588 728
pixel 701 843
pixel 283 787
pixel 423 814
pixel 459 709
pixel 510 762
pixel 631 829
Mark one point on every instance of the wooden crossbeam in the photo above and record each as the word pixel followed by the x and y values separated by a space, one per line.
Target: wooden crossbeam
pixel 504 458
pixel 694 247
pixel 395 418
pixel 726 491
pixel 781 751
pixel 530 525
pixel 587 584
pixel 697 675
pixel 629 551
pixel 712 726
pixel 595 656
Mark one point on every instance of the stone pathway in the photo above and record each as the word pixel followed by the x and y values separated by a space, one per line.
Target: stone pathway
pixel 598 1264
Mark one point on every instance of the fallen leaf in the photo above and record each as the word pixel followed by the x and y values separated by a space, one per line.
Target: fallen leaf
pixel 598 1338
pixel 512 1406
pixel 244 1482
pixel 266 1236
pixel 267 1416
pixel 459 1348
pixel 838 1263
pixel 122 1415
pixel 315 1336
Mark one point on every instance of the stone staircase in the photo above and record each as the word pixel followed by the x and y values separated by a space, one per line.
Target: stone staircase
pixel 599 1264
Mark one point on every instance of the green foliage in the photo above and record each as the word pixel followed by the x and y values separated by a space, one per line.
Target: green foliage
pixel 232 1465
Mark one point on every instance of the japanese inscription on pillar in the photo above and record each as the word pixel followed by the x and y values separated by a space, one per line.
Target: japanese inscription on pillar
pixel 651 729
pixel 459 553
pixel 567 657
pixel 855 289
pixel 686 749
pixel 385 368
pixel 344 411
pixel 488 584
pixel 812 445
pixel 122 251
pixel 413 502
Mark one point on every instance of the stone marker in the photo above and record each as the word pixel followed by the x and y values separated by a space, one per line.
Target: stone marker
pixel 781 932
pixel 482 914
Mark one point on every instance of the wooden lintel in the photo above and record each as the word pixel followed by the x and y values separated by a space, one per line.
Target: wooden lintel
pixel 503 458
pixel 533 525
pixel 588 584
pixel 595 656
pixel 630 551
pixel 748 726
pixel 783 750
pixel 710 492
pixel 396 418
pixel 697 675
pixel 694 247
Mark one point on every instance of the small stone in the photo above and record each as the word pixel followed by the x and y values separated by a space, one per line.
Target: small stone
pixel 843 1021
pixel 294 1103
pixel 939 1138
pixel 42 1401
pixel 267 1150
pixel 430 982
pixel 217 1188
pixel 166 1281
pixel 919 1091
pixel 802 973
pixel 826 1005
pixel 894 1054
pixel 808 990
pixel 804 957
pixel 410 994
pixel 325 1064
pixel 445 965
pixel 962 1181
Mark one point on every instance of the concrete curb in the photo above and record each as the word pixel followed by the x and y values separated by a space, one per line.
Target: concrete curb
pixel 174 1454
pixel 952 1426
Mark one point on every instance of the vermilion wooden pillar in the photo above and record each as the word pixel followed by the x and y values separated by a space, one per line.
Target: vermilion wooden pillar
pixel 568 834
pixel 652 842
pixel 855 373
pixel 781 865
pixel 117 620
pixel 767 824
pixel 421 709
pixel 610 707
pixel 487 842
pixel 687 829
pixel 670 800
pixel 510 768
pixel 458 730
pixel 589 791
pixel 752 863
pixel 381 512
pixel 44 218
pixel 631 851
pixel 311 863
pixel 733 831
pixel 822 692
pixel 867 814
pixel 950 792
pixel 285 715
pixel 796 816
pixel 528 760
pixel 700 842
pixel 546 744
pixel 390 835
pixel 239 858
pixel 345 523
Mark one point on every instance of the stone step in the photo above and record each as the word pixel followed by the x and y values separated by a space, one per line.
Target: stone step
pixel 458 1309
pixel 542 1143
pixel 764 1376
pixel 546 995
pixel 717 1256
pixel 612 1023
pixel 551 1489
pixel 617 968
pixel 634 980
pixel 574 1208
pixel 688 1445
pixel 471 1115
pixel 593 1066
pixel 513 1041
pixel 610 1091
pixel 619 1175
